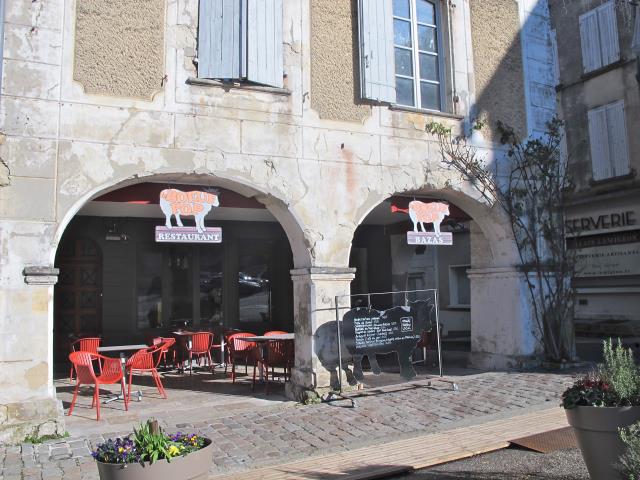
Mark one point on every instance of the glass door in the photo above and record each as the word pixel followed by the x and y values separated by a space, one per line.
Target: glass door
pixel 255 280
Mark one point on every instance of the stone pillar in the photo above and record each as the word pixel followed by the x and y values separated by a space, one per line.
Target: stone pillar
pixel 314 292
pixel 27 403
pixel 503 330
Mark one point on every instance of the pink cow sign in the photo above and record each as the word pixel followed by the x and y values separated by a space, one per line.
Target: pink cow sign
pixel 421 213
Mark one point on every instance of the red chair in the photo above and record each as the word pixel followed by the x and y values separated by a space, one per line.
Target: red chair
pixel 146 360
pixel 111 374
pixel 87 344
pixel 278 354
pixel 201 345
pixel 239 349
pixel 168 347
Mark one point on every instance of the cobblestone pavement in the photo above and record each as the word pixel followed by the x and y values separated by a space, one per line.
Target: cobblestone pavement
pixel 250 439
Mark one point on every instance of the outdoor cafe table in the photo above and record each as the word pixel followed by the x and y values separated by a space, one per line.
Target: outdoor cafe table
pixel 183 338
pixel 121 349
pixel 262 340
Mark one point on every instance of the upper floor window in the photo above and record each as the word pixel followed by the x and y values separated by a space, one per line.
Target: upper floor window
pixel 401 59
pixel 241 40
pixel 599 37
pixel 608 140
pixel 417 61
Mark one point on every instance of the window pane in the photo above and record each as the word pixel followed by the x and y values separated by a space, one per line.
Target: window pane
pixel 210 285
pixel 430 95
pixel 254 287
pixel 149 287
pixel 404 91
pixel 402 33
pixel 427 39
pixel 401 8
pixel 403 62
pixel 426 12
pixel 428 67
pixel 180 276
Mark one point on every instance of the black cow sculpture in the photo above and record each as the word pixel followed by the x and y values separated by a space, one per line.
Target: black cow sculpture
pixel 367 332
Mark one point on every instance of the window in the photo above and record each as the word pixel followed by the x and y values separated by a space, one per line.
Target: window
pixel 459 286
pixel 401 48
pixel 599 37
pixel 608 140
pixel 417 62
pixel 241 40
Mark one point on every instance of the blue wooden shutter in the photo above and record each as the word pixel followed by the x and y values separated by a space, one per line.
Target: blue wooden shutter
pixel 590 41
pixel 609 42
pixel 599 142
pixel 221 33
pixel 264 42
pixel 617 132
pixel 377 65
pixel 635 43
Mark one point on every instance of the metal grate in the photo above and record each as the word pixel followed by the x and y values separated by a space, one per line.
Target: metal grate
pixel 560 439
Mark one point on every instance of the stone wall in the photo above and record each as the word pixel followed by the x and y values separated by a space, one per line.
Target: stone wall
pixel 335 87
pixel 319 178
pixel 497 59
pixel 119 47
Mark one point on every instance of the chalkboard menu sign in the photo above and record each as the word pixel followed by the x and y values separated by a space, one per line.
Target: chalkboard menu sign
pixel 367 331
pixel 374 329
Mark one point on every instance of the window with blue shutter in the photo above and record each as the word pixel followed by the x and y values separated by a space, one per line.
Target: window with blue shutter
pixel 241 40
pixel 599 37
pixel 375 26
pixel 608 141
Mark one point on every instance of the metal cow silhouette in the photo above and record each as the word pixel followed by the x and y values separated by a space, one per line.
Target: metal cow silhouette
pixel 198 204
pixel 367 332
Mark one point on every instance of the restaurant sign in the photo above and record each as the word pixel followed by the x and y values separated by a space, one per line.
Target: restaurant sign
pixel 421 213
pixel 196 204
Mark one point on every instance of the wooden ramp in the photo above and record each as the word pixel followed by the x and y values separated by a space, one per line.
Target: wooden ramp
pixel 418 452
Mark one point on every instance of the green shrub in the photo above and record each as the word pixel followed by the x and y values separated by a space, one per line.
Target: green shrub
pixel 630 461
pixel 616 383
pixel 621 372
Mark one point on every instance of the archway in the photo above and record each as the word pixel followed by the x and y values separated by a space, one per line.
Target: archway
pixel 484 308
pixel 243 283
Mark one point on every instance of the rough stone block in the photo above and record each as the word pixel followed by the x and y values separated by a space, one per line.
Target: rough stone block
pixel 29 157
pixel 39 191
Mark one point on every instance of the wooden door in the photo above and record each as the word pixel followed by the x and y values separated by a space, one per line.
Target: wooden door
pixel 78 293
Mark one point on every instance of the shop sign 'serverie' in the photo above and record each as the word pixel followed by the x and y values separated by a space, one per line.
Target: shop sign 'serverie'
pixel 189 204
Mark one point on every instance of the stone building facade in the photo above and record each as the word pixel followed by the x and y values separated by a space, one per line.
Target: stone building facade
pixel 599 101
pixel 102 96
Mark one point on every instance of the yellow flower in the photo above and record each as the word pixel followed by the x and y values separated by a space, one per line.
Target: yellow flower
pixel 120 450
pixel 173 451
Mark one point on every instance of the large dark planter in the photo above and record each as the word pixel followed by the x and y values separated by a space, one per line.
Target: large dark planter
pixel 596 430
pixel 194 466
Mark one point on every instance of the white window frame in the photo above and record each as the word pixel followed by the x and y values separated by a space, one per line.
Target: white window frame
pixel 454 298
pixel 415 51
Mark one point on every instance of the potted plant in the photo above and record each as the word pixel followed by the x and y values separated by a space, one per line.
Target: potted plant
pixel 148 453
pixel 630 461
pixel 601 403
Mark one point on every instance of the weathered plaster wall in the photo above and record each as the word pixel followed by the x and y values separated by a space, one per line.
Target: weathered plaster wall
pixel 334 80
pixel 497 60
pixel 119 47
pixel 319 178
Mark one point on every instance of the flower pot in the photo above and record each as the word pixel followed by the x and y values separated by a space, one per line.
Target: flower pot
pixel 596 430
pixel 194 466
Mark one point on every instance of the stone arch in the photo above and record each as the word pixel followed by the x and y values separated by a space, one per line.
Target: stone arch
pixel 503 334
pixel 290 222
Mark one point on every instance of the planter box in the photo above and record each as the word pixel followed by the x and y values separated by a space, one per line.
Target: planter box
pixel 596 430
pixel 194 466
